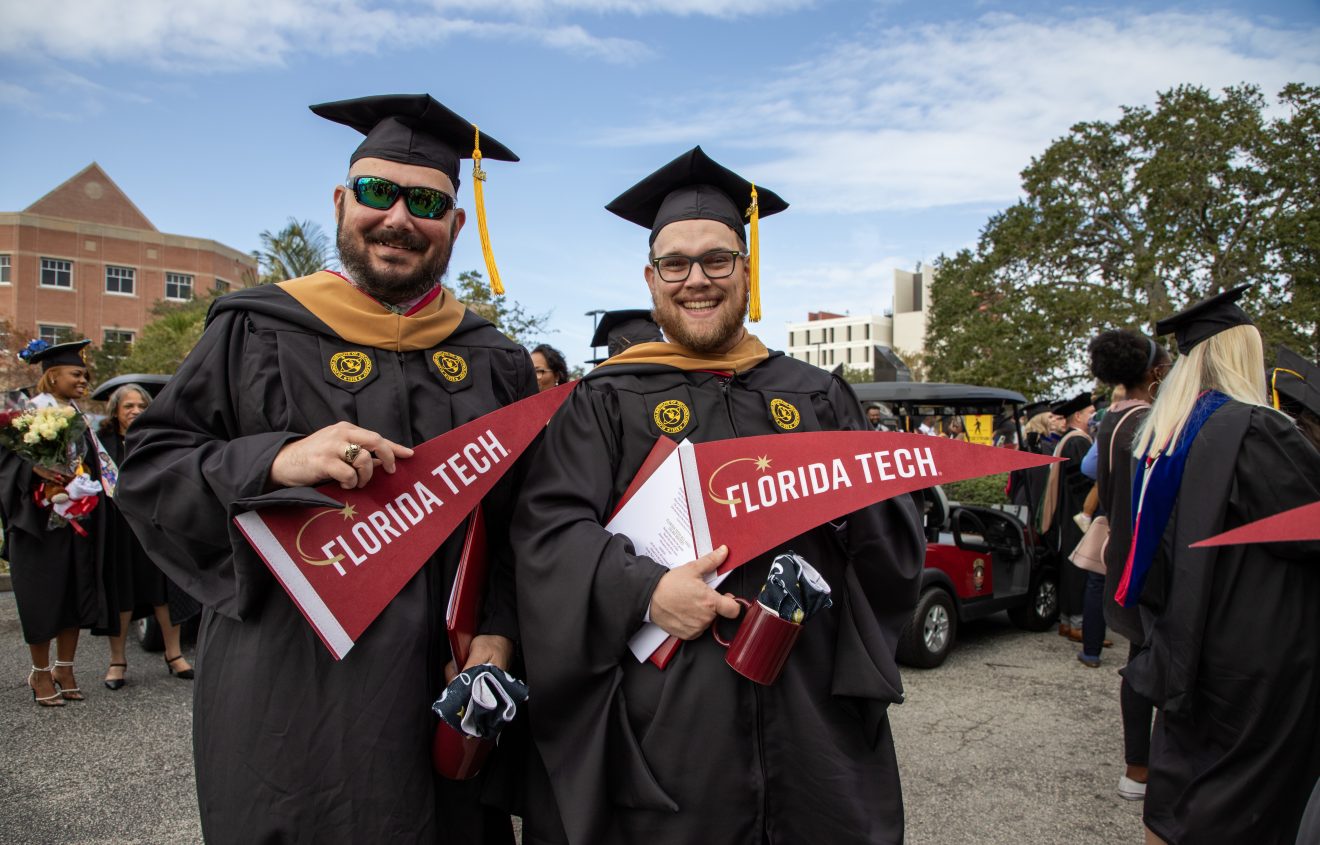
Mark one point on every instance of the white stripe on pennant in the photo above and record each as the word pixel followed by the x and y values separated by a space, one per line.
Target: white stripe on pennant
pixel 295 583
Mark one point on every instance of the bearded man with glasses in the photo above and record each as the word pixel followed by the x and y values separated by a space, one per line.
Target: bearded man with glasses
pixel 627 752
pixel 332 377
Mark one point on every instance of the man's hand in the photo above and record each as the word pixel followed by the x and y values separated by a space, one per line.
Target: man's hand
pixel 320 456
pixel 684 604
pixel 485 648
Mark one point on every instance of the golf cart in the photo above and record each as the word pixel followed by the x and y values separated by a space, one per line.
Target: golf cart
pixel 980 559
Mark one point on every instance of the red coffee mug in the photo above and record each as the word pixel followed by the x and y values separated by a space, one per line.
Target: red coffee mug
pixel 456 755
pixel 761 645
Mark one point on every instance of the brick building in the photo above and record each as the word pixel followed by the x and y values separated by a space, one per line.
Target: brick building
pixel 83 261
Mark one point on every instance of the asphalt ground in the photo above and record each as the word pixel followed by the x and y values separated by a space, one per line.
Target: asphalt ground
pixel 1010 741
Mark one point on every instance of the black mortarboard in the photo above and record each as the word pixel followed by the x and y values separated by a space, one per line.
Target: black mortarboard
pixel 1297 379
pixel 618 330
pixel 412 129
pixel 696 187
pixel 59 355
pixel 1031 409
pixel 1205 319
pixel 1068 407
pixel 416 129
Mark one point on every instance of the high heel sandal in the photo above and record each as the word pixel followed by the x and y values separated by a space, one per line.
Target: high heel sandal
pixel 54 700
pixel 117 683
pixel 185 674
pixel 72 693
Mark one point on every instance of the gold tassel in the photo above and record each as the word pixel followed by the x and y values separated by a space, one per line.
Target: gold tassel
pixel 754 260
pixel 478 177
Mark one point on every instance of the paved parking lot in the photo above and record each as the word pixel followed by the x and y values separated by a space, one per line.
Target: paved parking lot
pixel 1011 741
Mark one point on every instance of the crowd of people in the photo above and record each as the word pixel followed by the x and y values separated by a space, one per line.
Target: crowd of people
pixel 337 376
pixel 88 572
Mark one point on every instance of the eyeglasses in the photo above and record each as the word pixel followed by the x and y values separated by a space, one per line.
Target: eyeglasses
pixel 381 194
pixel 716 264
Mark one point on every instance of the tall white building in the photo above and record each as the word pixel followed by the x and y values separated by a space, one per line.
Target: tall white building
pixel 828 340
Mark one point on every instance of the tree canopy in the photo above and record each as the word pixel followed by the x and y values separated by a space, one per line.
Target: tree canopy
pixel 1126 222
pixel 299 249
pixel 505 314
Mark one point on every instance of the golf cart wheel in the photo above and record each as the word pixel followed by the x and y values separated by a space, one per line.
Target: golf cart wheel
pixel 928 638
pixel 148 634
pixel 1041 609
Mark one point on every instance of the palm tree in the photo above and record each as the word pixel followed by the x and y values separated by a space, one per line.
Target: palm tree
pixel 299 249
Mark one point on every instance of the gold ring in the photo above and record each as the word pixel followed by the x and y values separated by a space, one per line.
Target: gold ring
pixel 351 453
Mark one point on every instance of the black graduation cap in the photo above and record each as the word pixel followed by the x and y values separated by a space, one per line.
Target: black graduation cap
pixel 1068 407
pixel 696 187
pixel 412 129
pixel 1205 319
pixel 1297 379
pixel 59 355
pixel 1031 409
pixel 618 330
pixel 416 129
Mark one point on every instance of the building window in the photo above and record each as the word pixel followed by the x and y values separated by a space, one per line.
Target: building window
pixel 916 292
pixel 221 287
pixel 178 286
pixel 56 273
pixel 5 269
pixel 118 337
pixel 55 334
pixel 119 279
pixel 868 331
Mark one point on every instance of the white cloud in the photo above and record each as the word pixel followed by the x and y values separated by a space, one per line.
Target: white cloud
pixel 237 34
pixel 950 113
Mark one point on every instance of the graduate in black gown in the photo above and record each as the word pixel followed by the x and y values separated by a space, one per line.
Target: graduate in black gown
pixel 331 377
pixel 628 753
pixel 56 574
pixel 1231 650
pixel 1065 492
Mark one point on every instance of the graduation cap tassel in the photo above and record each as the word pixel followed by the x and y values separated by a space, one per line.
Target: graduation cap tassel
pixel 479 177
pixel 754 260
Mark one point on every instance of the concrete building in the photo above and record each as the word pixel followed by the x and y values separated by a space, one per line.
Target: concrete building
pixel 83 261
pixel 828 340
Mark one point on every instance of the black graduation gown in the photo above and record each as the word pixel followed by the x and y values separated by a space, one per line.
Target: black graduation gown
pixel 1064 533
pixel 1232 643
pixel 133 582
pixel 1115 483
pixel 56 575
pixel 290 745
pixel 696 753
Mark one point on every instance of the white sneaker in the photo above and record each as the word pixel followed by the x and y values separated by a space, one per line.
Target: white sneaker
pixel 1083 520
pixel 1130 789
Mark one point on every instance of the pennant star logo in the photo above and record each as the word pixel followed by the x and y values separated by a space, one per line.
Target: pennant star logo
pixel 762 464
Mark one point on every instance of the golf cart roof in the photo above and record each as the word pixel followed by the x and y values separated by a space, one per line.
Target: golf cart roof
pixel 149 381
pixel 931 393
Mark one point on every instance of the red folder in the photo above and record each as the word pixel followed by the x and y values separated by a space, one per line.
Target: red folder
pixel 464 611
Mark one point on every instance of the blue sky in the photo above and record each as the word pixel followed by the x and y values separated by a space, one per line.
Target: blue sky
pixel 895 129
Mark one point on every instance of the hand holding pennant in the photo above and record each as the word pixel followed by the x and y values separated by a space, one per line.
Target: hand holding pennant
pixel 755 493
pixel 344 561
pixel 1292 525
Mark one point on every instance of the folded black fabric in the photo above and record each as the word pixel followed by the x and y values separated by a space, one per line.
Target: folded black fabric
pixel 481 700
pixel 794 589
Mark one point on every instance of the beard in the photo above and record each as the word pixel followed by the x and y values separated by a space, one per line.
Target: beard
pixel 708 337
pixel 393 284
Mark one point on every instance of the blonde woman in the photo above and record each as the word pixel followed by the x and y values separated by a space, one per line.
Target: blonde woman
pixel 1231 647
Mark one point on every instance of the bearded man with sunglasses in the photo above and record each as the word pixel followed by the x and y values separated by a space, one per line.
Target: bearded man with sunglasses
pixel 332 377
pixel 628 752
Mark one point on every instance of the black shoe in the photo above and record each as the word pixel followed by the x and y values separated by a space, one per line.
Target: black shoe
pixel 116 683
pixel 185 674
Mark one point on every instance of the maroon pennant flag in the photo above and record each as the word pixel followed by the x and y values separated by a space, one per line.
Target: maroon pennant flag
pixel 1297 524
pixel 342 565
pixel 754 493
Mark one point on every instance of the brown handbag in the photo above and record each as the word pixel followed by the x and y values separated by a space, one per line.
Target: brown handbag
pixel 1090 551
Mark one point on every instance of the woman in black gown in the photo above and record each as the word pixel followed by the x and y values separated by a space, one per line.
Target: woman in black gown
pixel 54 571
pixel 134 586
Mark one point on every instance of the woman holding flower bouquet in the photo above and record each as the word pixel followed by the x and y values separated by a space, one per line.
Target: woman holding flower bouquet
pixel 49 483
